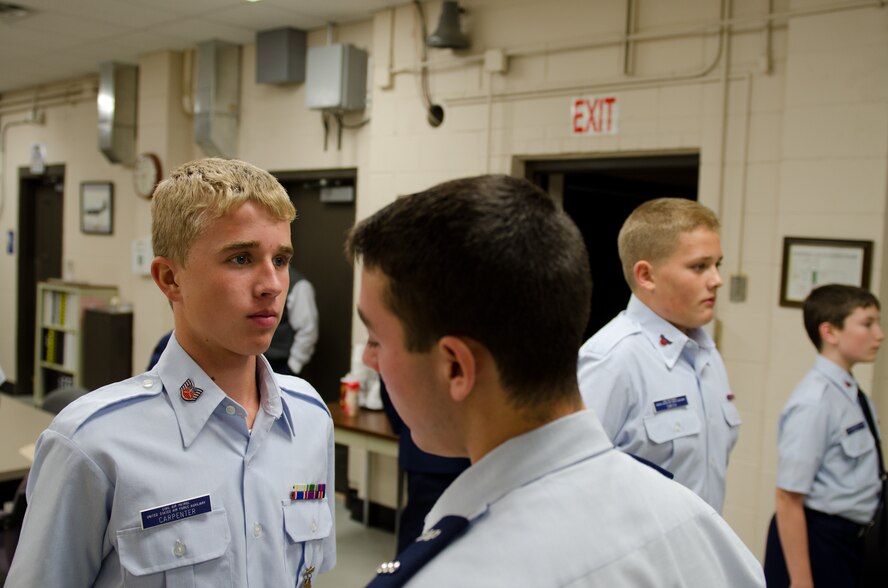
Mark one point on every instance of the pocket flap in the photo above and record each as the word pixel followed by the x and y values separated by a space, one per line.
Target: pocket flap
pixel 186 542
pixel 307 520
pixel 732 415
pixel 671 424
pixel 857 443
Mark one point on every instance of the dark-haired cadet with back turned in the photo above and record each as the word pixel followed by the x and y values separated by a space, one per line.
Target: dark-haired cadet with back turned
pixel 475 298
pixel 828 477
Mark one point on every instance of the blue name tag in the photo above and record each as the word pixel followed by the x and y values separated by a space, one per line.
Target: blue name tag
pixel 670 403
pixel 175 511
pixel 855 428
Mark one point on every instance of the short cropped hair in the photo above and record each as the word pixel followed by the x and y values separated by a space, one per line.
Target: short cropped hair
pixel 201 191
pixel 491 258
pixel 652 231
pixel 832 304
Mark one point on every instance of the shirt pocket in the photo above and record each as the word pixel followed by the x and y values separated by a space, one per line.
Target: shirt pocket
pixel 669 425
pixel 732 418
pixel 306 524
pixel 184 554
pixel 857 443
pixel 732 415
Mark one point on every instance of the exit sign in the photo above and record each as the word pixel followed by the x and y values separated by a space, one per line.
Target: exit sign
pixel 594 115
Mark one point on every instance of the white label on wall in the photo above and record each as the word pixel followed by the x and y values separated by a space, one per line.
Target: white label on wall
pixel 594 115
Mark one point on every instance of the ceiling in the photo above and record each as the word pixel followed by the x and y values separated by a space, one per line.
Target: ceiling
pixel 64 39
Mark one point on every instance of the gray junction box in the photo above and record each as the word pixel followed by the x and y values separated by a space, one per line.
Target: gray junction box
pixel 336 78
pixel 280 56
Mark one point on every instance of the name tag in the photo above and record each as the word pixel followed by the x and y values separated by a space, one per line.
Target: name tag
pixel 670 403
pixel 855 428
pixel 175 511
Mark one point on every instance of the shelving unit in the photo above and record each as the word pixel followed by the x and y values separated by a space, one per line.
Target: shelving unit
pixel 59 339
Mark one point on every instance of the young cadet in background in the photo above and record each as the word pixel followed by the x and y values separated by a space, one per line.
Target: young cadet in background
pixel 652 374
pixel 828 478
pixel 208 469
pixel 475 297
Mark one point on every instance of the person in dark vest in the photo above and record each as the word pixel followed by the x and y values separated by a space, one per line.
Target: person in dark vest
pixel 294 340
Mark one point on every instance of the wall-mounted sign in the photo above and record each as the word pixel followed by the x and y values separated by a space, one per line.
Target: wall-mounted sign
pixel 808 263
pixel 594 115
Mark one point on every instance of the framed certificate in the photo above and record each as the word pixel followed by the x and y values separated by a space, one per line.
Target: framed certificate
pixel 808 263
pixel 97 208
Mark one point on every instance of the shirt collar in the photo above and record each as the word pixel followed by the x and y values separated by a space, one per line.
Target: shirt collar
pixel 178 371
pixel 519 461
pixel 663 335
pixel 270 396
pixel 837 376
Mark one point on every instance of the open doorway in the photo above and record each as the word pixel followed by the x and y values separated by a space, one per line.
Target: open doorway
pixel 599 194
pixel 318 235
pixel 41 204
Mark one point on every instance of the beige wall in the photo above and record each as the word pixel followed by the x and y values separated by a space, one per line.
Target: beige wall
pixel 789 116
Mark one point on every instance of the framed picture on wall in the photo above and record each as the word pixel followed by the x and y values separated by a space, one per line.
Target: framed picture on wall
pixel 97 208
pixel 808 263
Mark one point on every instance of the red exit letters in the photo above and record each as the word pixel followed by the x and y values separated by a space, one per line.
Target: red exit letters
pixel 594 115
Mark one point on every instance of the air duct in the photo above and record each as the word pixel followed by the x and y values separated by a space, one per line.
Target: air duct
pixel 217 98
pixel 118 85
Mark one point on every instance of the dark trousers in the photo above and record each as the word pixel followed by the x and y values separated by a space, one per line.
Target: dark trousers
pixel 423 491
pixel 834 547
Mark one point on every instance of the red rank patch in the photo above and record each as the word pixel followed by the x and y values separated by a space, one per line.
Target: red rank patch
pixel 189 391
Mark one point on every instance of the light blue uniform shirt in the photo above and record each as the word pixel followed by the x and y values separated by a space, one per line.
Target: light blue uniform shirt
pixel 138 445
pixel 558 506
pixel 663 396
pixel 827 452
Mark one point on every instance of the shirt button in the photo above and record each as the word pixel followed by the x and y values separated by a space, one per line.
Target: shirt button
pixel 230 410
pixel 314 527
pixel 147 383
pixel 179 549
pixel 257 530
pixel 678 427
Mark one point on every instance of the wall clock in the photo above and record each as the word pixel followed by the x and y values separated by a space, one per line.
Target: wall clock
pixel 146 174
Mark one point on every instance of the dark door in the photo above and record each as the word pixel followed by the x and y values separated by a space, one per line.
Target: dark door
pixel 41 200
pixel 599 194
pixel 319 233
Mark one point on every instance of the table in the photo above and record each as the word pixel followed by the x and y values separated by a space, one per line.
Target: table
pixel 368 430
pixel 20 425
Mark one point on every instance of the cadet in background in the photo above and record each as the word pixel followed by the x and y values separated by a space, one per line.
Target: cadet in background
pixel 828 477
pixel 653 374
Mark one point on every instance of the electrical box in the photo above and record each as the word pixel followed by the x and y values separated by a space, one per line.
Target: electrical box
pixel 336 78
pixel 280 56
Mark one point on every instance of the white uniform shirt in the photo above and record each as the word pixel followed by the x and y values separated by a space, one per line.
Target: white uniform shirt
pixel 302 314
pixel 827 451
pixel 138 445
pixel 663 396
pixel 558 506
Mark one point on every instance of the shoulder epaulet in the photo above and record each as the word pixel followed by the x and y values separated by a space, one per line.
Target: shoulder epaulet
pixel 103 399
pixel 609 335
pixel 652 465
pixel 301 390
pixel 399 571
